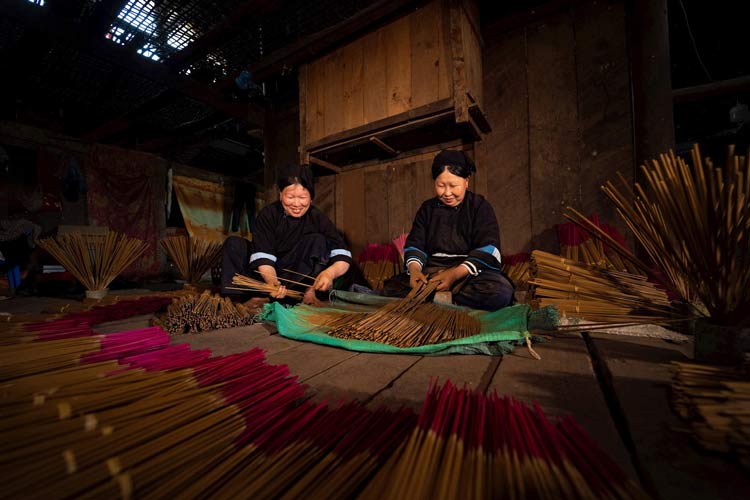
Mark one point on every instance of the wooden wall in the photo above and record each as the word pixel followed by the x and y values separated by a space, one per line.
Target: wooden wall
pixel 399 67
pixel 557 95
pixel 376 204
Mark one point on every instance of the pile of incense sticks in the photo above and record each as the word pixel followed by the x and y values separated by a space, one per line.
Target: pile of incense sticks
pixel 378 263
pixel 127 415
pixel 577 244
pixel 408 322
pixel 692 221
pixel 94 260
pixel 715 401
pixel 595 294
pixel 81 323
pixel 192 256
pixel 516 267
pixel 470 445
pixel 199 313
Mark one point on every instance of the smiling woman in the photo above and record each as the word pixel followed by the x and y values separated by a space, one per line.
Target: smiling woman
pixel 294 243
pixel 455 239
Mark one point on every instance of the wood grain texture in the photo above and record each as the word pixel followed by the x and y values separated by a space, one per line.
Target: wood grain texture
pixel 352 69
pixel 604 105
pixel 350 208
pixel 553 125
pixel 333 89
pixel 325 195
pixel 375 93
pixel 376 205
pixel 504 153
pixel 424 26
pixel 398 66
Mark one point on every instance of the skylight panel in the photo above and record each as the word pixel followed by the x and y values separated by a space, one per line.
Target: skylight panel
pixel 181 37
pixel 139 14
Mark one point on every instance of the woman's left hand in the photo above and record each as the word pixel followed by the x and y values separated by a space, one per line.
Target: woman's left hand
pixel 448 277
pixel 324 281
pixel 310 299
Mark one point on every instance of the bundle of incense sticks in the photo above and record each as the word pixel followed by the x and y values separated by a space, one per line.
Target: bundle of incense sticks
pixel 407 322
pixel 516 267
pixel 692 220
pixel 80 324
pixel 468 445
pixel 378 263
pixel 577 244
pixel 595 294
pixel 94 260
pixel 192 256
pixel 199 313
pixel 241 282
pixel 236 426
pixel 716 403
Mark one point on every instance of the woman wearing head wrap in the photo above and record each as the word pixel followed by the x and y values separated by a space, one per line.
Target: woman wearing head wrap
pixel 455 239
pixel 291 237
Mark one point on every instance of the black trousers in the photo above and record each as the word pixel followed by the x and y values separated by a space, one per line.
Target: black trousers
pixel 490 290
pixel 309 256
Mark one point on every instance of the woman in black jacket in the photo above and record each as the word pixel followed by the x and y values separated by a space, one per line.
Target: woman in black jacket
pixel 455 239
pixel 291 238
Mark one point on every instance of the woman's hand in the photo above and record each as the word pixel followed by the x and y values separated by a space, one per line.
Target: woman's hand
pixel 416 278
pixel 449 276
pixel 280 292
pixel 324 281
pixel 310 299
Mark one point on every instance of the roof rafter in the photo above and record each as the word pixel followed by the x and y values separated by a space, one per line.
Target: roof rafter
pixel 69 33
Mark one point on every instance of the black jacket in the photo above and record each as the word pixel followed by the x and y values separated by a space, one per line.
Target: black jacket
pixel 445 236
pixel 276 234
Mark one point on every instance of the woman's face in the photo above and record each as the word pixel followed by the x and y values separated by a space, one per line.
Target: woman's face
pixel 296 200
pixel 450 188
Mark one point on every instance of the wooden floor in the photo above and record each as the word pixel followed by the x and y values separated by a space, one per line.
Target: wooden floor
pixel 616 387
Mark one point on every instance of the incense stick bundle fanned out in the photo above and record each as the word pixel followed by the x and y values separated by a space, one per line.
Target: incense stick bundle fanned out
pixel 693 221
pixel 468 445
pixel 95 261
pixel 192 256
pixel 408 322
pixel 595 294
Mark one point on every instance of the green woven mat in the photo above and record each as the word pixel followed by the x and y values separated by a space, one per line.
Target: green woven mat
pixel 501 330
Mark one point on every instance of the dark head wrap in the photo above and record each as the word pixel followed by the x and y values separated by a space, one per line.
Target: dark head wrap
pixel 456 162
pixel 297 174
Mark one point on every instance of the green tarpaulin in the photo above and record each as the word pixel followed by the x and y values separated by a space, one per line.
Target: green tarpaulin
pixel 501 330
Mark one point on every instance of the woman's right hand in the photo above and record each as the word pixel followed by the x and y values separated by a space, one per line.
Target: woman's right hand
pixel 280 292
pixel 417 278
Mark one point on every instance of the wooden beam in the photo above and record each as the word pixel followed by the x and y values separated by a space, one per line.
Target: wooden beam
pixel 323 163
pixel 97 46
pixel 311 46
pixel 724 87
pixel 382 145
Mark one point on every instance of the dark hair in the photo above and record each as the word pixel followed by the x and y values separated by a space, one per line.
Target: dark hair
pixel 456 162
pixel 296 174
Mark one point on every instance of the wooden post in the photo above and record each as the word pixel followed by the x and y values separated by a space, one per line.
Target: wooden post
pixel 460 100
pixel 302 113
pixel 653 113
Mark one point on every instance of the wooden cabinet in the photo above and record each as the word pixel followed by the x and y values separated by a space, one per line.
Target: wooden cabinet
pixel 412 83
